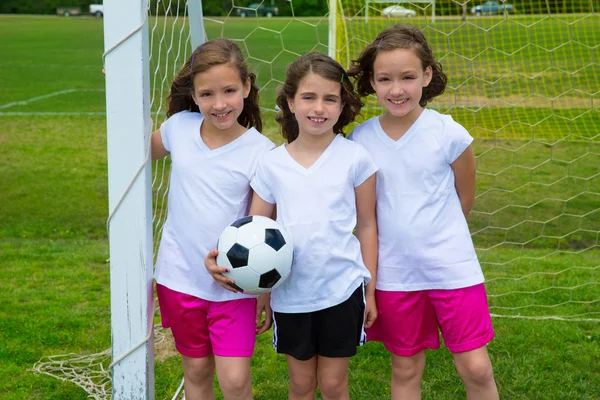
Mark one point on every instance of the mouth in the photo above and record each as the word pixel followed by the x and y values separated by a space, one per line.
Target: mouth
pixel 221 115
pixel 398 102
pixel 317 120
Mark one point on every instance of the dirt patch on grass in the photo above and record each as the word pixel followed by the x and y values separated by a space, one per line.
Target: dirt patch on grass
pixel 164 346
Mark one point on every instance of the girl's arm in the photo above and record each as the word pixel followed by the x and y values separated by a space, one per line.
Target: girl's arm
pixel 261 207
pixel 157 147
pixel 464 179
pixel 366 232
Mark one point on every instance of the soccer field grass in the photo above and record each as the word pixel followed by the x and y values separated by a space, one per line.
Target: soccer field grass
pixel 536 219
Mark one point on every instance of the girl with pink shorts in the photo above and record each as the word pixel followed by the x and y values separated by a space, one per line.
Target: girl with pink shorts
pixel 428 276
pixel 212 137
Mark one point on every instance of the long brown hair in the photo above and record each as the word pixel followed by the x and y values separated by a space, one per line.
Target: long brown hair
pixel 398 37
pixel 327 68
pixel 209 54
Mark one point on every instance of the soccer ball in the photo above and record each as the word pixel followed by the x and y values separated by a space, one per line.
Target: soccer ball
pixel 257 252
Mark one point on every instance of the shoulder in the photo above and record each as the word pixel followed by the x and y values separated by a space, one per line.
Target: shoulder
pixel 443 125
pixel 351 150
pixel 272 155
pixel 260 140
pixel 364 131
pixel 182 117
pixel 187 116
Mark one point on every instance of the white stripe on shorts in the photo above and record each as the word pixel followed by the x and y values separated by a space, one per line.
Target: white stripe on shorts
pixel 363 334
pixel 274 332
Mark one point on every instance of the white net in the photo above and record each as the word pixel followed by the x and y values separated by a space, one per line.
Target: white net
pixel 524 85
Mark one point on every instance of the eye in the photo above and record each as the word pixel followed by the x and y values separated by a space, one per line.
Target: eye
pixel 331 100
pixel 307 97
pixel 231 90
pixel 382 79
pixel 204 94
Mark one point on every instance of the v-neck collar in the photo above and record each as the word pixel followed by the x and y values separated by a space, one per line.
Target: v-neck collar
pixel 318 162
pixel 404 138
pixel 219 150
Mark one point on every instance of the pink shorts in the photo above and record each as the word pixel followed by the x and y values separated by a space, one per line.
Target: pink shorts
pixel 408 322
pixel 202 327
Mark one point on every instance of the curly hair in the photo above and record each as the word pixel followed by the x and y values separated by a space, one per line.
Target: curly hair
pixel 209 54
pixel 327 68
pixel 398 37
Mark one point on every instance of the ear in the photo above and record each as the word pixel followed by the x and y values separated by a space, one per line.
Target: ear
pixel 193 96
pixel 372 82
pixel 291 104
pixel 247 87
pixel 428 75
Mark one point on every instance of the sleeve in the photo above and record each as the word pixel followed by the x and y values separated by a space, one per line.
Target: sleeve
pixel 455 139
pixel 166 130
pixel 260 183
pixel 364 166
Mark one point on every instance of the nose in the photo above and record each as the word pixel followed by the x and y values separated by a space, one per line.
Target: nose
pixel 318 106
pixel 220 102
pixel 396 89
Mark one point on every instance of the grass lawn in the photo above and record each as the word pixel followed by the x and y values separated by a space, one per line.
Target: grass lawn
pixel 536 221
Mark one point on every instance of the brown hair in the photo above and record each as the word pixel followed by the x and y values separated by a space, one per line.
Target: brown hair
pixel 327 68
pixel 209 54
pixel 398 37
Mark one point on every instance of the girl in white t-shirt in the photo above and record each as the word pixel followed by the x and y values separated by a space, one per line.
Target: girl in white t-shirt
pixel 324 187
pixel 212 137
pixel 428 275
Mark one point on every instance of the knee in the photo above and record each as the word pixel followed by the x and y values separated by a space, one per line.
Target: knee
pixel 333 387
pixel 303 385
pixel 408 370
pixel 198 373
pixel 477 371
pixel 236 384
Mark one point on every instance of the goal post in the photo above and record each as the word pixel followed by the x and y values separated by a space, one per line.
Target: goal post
pixel 130 210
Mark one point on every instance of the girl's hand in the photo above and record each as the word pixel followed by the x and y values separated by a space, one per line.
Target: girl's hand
pixel 263 304
pixel 370 310
pixel 210 262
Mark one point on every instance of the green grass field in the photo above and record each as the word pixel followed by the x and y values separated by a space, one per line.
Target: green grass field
pixel 536 220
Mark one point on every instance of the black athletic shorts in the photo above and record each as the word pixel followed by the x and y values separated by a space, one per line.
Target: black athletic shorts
pixel 332 332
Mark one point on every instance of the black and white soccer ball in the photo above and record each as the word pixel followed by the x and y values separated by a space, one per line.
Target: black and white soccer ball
pixel 257 251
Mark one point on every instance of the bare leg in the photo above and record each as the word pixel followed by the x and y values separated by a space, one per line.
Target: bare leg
pixel 198 377
pixel 406 376
pixel 235 377
pixel 303 378
pixel 475 370
pixel 332 375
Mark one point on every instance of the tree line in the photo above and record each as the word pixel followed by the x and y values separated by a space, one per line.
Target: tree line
pixel 301 7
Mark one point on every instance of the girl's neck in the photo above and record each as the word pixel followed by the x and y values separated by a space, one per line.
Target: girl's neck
pixel 312 143
pixel 396 127
pixel 215 138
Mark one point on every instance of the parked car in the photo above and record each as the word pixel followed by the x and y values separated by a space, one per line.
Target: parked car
pixel 257 9
pixel 398 12
pixel 97 10
pixel 493 7
pixel 68 11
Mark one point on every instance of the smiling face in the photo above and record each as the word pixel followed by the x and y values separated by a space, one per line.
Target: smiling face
pixel 219 93
pixel 398 80
pixel 317 105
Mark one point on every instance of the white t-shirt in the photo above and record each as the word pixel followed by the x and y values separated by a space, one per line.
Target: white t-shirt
pixel 317 206
pixel 424 240
pixel 208 190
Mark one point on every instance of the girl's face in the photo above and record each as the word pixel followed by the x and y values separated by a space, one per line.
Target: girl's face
pixel 317 104
pixel 398 80
pixel 219 93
